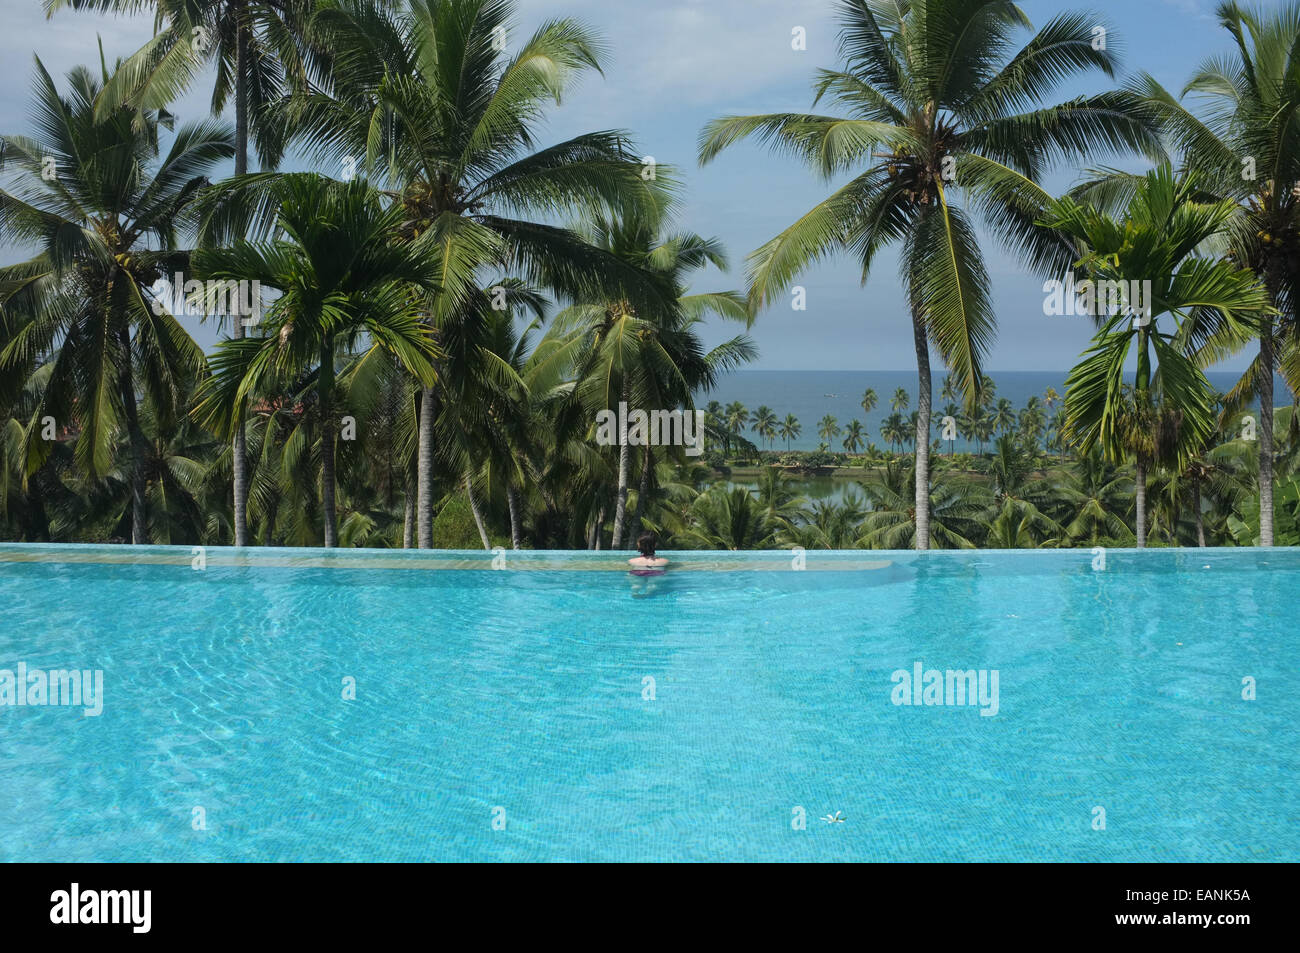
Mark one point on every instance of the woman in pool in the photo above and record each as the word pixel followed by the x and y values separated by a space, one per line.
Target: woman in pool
pixel 647 564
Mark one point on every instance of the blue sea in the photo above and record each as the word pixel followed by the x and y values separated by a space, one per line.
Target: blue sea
pixel 810 395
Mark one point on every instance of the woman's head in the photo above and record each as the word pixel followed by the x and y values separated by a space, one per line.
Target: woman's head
pixel 646 543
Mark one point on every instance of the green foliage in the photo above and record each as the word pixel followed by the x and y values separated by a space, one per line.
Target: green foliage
pixel 454 526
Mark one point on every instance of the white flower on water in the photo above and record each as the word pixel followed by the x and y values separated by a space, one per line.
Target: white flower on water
pixel 836 818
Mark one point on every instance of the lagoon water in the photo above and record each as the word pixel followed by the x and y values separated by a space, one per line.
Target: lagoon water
pixel 810 395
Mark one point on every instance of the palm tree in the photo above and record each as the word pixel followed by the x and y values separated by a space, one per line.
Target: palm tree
pixel 651 357
pixel 342 278
pixel 828 428
pixel 789 429
pixel 1057 437
pixel 893 430
pixel 1242 143
pixel 984 429
pixel 737 417
pixel 853 436
pixel 1031 422
pixel 934 107
pixel 1004 416
pixel 826 525
pixel 259 49
pixel 1198 473
pixel 869 401
pixel 728 519
pixel 778 501
pixel 959 509
pixel 988 391
pixel 1096 494
pixel 765 423
pixel 1166 415
pixel 457 149
pixel 106 225
pixel 900 401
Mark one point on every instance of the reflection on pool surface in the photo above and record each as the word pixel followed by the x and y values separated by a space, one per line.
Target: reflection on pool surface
pixel 592 715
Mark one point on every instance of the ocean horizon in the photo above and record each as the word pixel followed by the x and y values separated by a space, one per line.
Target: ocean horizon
pixel 810 395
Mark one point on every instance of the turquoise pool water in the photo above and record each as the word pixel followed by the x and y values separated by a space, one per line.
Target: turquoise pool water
pixel 504 714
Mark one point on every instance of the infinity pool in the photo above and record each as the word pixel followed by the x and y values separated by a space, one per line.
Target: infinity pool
pixel 555 708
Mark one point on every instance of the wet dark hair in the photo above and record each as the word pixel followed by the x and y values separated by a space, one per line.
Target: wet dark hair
pixel 646 543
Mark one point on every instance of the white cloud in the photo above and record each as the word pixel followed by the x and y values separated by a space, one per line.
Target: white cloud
pixel 664 54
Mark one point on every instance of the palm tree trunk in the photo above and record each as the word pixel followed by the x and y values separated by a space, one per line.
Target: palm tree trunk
pixel 126 382
pixel 268 525
pixel 597 529
pixel 922 432
pixel 478 516
pixel 1140 491
pixel 643 490
pixel 516 531
pixel 39 523
pixel 239 457
pixel 1196 511
pixel 327 483
pixel 408 514
pixel 1266 432
pixel 325 388
pixel 424 475
pixel 620 506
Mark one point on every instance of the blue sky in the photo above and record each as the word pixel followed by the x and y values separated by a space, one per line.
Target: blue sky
pixel 673 65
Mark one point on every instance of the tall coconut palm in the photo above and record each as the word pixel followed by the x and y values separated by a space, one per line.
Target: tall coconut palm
pixel 765 422
pixel 1166 414
pixel 901 401
pixel 342 280
pixel 937 105
pixel 828 428
pixel 1057 437
pixel 737 417
pixel 982 425
pixel 650 357
pixel 869 401
pixel 1241 140
pixel 258 47
pixel 441 104
pixel 789 429
pixel 106 210
pixel 1004 415
pixel 1031 422
pixel 893 430
pixel 853 436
